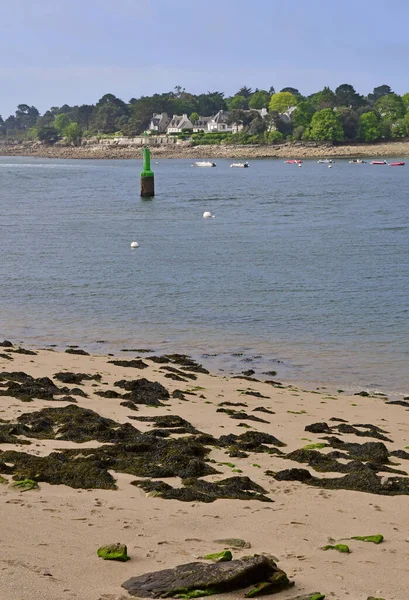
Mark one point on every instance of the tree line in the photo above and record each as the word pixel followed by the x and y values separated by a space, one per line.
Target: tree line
pixel 342 115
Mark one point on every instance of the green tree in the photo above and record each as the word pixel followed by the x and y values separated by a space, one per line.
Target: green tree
pixel 349 121
pixel 326 126
pixel 244 91
pixel 405 100
pixel 259 99
pixel 324 99
pixel 26 116
pixel 282 101
pixel 303 115
pixel 347 96
pixel 390 106
pixel 194 117
pixel 48 134
pixel 237 102
pixel 398 129
pixel 379 92
pixel 369 129
pixel 73 133
pixel 61 122
pixel 257 125
pixel 291 90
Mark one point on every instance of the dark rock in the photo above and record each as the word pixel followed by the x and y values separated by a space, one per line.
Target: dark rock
pixel 6 344
pixel 75 392
pixel 5 356
pixel 179 372
pixel 22 351
pixel 108 394
pixel 134 364
pixel 400 454
pixel 248 373
pixel 264 410
pixel 213 578
pixel 129 404
pixel 178 394
pixel 233 404
pixel 158 359
pixel 241 416
pixel 370 451
pixel 371 431
pixel 187 363
pixel 75 351
pixel 25 387
pixel 175 377
pixel 255 394
pixel 318 428
pixel 338 420
pixel 399 403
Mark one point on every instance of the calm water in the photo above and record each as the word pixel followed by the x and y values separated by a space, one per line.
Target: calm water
pixel 303 270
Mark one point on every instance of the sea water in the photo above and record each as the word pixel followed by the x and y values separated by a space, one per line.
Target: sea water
pixel 304 271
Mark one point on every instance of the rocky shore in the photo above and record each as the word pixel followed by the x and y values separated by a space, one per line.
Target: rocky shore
pixel 154 462
pixel 126 149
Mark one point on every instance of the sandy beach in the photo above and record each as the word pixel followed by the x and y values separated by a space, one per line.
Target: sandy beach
pixel 123 148
pixel 50 535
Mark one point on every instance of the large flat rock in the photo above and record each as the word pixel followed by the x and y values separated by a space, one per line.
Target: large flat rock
pixel 211 578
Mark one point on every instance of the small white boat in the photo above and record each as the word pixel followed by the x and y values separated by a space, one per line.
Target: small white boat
pixel 204 164
pixel 240 165
pixel 325 161
pixel 357 161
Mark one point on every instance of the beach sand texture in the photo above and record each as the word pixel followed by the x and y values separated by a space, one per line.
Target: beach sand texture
pixel 50 536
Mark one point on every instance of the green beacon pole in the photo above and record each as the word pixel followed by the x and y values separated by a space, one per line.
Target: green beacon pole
pixel 147 177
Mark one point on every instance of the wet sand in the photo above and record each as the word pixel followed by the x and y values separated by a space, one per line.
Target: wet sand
pixel 50 535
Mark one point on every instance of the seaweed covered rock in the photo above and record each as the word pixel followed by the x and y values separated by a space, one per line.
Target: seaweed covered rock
pixel 58 469
pixel 363 479
pixel 136 363
pixel 77 351
pixel 318 428
pixel 198 490
pixel 187 363
pixel 75 424
pixel 240 415
pixel 25 387
pixel 178 372
pixel 142 391
pixel 172 422
pixel 251 441
pixel 75 378
pixel 185 580
pixel 375 452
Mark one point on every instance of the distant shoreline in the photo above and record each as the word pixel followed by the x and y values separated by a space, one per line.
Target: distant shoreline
pixel 121 151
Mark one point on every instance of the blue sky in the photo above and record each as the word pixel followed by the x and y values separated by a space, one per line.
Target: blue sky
pixel 74 51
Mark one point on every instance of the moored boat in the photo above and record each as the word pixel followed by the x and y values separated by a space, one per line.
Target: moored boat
pixel 357 161
pixel 293 161
pixel 240 165
pixel 397 164
pixel 325 161
pixel 204 163
pixel 379 162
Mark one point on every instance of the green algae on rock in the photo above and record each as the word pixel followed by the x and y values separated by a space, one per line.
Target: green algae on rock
pixel 114 552
pixel 223 556
pixel 340 547
pixel 375 539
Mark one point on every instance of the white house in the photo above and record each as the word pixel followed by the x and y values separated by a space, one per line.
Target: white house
pixel 179 124
pixel 159 123
pixel 201 125
pixel 218 123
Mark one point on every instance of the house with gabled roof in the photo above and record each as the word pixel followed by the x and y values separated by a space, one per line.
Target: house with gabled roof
pixel 159 123
pixel 219 123
pixel 178 124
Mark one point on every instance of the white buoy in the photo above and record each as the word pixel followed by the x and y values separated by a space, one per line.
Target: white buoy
pixel 299 165
pixel 208 215
pixel 134 245
pixel 329 166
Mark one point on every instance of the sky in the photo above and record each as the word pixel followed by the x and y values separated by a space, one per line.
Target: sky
pixel 56 52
